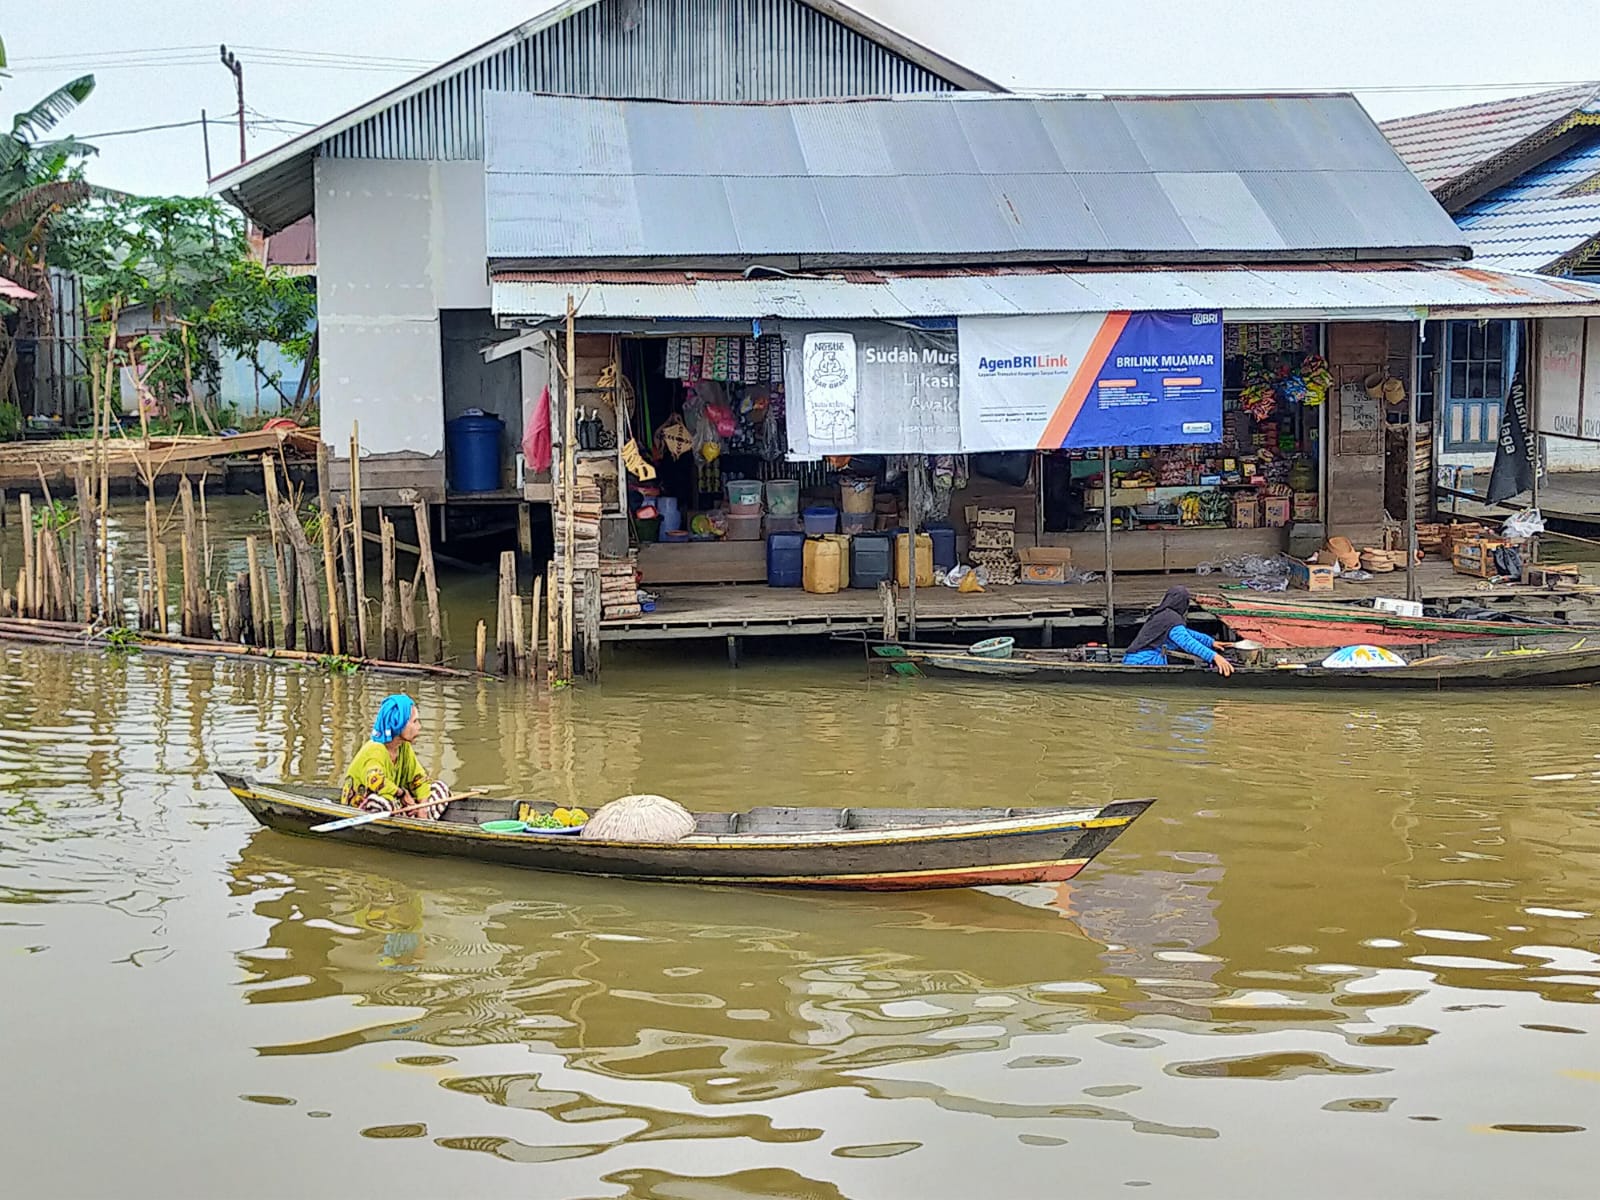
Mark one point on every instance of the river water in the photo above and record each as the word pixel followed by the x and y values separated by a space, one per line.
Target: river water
pixel 1352 950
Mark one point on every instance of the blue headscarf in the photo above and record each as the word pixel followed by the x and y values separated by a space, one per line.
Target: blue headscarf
pixel 394 714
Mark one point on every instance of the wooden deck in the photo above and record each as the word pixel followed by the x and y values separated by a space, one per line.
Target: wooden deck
pixel 754 610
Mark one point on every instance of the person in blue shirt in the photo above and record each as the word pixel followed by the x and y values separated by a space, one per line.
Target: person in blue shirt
pixel 1165 630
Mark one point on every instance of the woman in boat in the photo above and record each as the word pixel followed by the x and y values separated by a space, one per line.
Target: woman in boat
pixel 1165 631
pixel 385 776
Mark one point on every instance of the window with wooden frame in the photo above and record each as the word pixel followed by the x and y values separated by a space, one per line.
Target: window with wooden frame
pixel 1474 382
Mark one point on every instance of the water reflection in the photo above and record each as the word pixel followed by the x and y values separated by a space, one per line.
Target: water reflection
pixel 1337 911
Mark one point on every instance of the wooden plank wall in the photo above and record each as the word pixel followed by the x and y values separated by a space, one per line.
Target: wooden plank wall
pixel 1355 459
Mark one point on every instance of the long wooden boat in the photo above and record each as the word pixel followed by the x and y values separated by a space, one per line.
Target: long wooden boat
pixel 1284 623
pixel 871 849
pixel 1433 673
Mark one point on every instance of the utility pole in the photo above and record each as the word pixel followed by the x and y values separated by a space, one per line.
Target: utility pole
pixel 233 64
pixel 205 136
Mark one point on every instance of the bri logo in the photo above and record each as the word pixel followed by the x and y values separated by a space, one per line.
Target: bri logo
pixel 1205 318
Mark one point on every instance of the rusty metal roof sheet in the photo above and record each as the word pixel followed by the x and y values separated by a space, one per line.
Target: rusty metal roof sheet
pixel 950 177
pixel 1448 147
pixel 1321 292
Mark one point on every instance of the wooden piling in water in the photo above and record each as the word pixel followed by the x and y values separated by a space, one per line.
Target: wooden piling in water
pixel 504 646
pixel 535 667
pixel 286 591
pixel 260 626
pixel 89 535
pixel 25 591
pixel 305 564
pixel 348 601
pixel 408 623
pixel 430 577
pixel 329 568
pixel 357 543
pixel 483 637
pixel 390 628
pixel 162 591
pixel 552 622
pixel 196 594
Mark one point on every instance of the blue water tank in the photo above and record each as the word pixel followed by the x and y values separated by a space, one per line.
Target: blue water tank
pixel 473 453
pixel 944 545
pixel 786 559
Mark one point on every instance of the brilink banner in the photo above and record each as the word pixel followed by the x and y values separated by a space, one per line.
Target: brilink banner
pixel 1085 380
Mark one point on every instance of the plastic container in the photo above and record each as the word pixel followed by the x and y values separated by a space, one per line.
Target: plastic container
pixel 744 510
pixel 902 566
pixel 472 447
pixel 791 524
pixel 870 560
pixel 503 826
pixel 821 520
pixel 1000 647
pixel 675 536
pixel 820 568
pixel 742 528
pixel 647 529
pixel 944 546
pixel 843 541
pixel 671 515
pixel 850 522
pixel 744 493
pixel 783 497
pixel 786 559
pixel 856 493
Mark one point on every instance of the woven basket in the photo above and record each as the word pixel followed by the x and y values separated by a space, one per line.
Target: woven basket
pixel 651 819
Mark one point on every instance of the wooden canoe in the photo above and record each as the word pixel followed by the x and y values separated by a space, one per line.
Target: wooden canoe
pixel 869 849
pixel 1434 673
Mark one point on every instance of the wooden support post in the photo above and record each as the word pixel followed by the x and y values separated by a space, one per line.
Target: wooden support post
pixel 151 536
pixel 525 531
pixel 483 637
pixel 348 575
pixel 186 621
pixel 329 570
pixel 289 601
pixel 205 535
pixel 569 466
pixel 591 625
pixel 504 645
pixel 260 610
pixel 231 621
pixel 733 651
pixel 391 626
pixel 280 561
pixel 362 641
pixel 535 667
pixel 891 619
pixel 306 572
pixel 161 587
pixel 26 595
pixel 552 623
pixel 408 623
pixel 90 537
pixel 430 577
pixel 519 649
pixel 197 596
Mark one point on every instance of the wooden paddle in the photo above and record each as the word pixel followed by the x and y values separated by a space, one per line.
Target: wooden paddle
pixel 368 818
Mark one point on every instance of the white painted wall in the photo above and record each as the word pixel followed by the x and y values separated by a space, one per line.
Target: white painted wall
pixel 396 242
pixel 1560 454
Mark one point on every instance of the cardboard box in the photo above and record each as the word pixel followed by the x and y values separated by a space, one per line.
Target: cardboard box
pixel 1246 511
pixel 1046 555
pixel 995 516
pixel 1275 511
pixel 1045 573
pixel 1306 506
pixel 1310 577
pixel 985 537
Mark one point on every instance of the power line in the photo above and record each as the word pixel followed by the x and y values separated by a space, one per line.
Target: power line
pixel 264 123
pixel 54 61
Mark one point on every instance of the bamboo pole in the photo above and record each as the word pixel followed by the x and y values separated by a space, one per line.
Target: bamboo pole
pixel 329 570
pixel 286 591
pixel 260 613
pixel 26 594
pixel 552 622
pixel 429 576
pixel 187 620
pixel 390 631
pixel 91 554
pixel 568 497
pixel 205 531
pixel 102 437
pixel 483 637
pixel 197 596
pixel 356 525
pixel 408 623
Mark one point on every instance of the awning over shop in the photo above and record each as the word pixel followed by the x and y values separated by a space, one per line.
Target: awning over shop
pixel 1313 292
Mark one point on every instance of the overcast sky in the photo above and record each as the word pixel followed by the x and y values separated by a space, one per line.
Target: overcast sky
pixel 309 60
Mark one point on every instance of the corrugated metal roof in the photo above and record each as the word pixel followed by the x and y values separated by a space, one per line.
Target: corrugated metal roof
pixel 1391 291
pixel 914 179
pixel 1537 223
pixel 1447 147
pixel 682 49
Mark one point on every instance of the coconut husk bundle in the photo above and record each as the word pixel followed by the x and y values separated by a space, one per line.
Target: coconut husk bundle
pixel 652 819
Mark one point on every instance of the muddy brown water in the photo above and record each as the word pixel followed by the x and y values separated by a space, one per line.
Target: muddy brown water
pixel 1352 950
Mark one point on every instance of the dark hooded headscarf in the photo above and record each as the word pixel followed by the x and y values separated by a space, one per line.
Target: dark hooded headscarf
pixel 1168 615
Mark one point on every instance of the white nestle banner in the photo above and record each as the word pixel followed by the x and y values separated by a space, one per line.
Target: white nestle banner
pixel 1090 379
pixel 829 363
